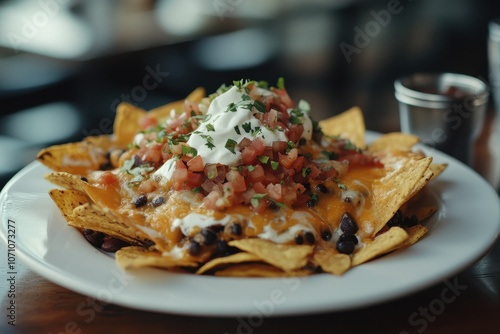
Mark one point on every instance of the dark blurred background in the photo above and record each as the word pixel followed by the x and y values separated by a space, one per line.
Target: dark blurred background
pixel 65 64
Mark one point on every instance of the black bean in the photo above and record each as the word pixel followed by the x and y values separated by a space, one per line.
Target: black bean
pixel 396 220
pixel 222 246
pixel 321 188
pixel 140 200
pixel 273 206
pixel 349 237
pixel 236 229
pixel 299 239
pixel 309 237
pixel 326 235
pixel 345 247
pixel 410 221
pixel 111 244
pixel 311 203
pixel 348 224
pixel 194 247
pixel 216 228
pixel 84 179
pixel 209 237
pixel 93 237
pixel 157 201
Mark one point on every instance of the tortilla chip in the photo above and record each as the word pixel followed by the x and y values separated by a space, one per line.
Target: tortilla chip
pixel 164 111
pixel 234 258
pixel 332 261
pixel 285 257
pixel 415 233
pixel 127 123
pixel 392 191
pixel 382 244
pixel 437 169
pixel 258 270
pixel 68 200
pixel 91 216
pixel 395 141
pixel 349 124
pixel 139 257
pixel 66 180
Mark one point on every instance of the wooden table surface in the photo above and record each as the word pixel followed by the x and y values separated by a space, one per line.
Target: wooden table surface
pixel 466 303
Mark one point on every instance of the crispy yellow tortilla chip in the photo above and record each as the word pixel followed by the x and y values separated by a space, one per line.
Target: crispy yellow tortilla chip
pixel 392 191
pixel 348 124
pixel 164 110
pixel 437 169
pixel 394 141
pixel 74 158
pixel 127 123
pixel 285 257
pixel 93 217
pixel 66 180
pixel 332 261
pixel 234 258
pixel 68 200
pixel 415 233
pixel 258 270
pixel 139 257
pixel 382 244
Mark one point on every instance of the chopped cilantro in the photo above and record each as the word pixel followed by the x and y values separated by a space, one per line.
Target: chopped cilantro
pixel 256 199
pixel 275 165
pixel 263 158
pixel 210 127
pixel 247 127
pixel 187 150
pixel 340 184
pixel 348 145
pixel 231 145
pixel 281 83
pixel 197 190
pixel 237 129
pixel 260 106
pixel 306 171
pixel 295 120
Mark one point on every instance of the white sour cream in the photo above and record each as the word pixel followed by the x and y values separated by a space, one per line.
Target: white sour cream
pixel 222 125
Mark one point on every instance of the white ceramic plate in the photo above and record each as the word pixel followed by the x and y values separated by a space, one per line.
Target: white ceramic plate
pixel 464 228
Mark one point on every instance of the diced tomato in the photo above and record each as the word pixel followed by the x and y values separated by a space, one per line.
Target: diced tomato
pixel 107 178
pixel 148 186
pixel 248 155
pixel 284 97
pixel 259 188
pixel 258 145
pixel 211 200
pixel 279 146
pixel 294 132
pixel 257 174
pixel 196 164
pixel 194 180
pixel 298 164
pixel 147 122
pixel 236 180
pixel 288 159
pixel 274 191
